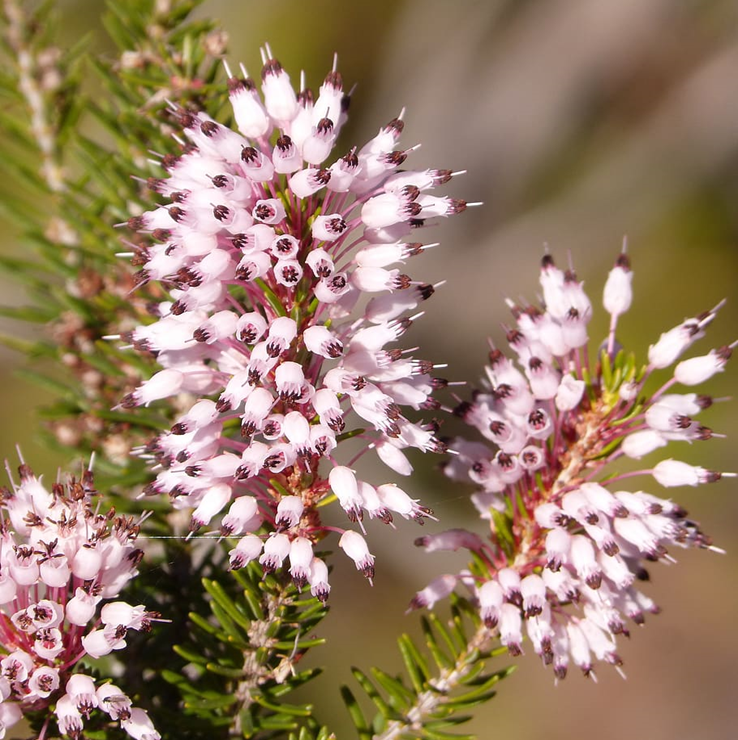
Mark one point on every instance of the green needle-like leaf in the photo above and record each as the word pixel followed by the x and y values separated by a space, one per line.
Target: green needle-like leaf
pixel 357 716
pixel 229 607
pixel 417 668
pixel 371 691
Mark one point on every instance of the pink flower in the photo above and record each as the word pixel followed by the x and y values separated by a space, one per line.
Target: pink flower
pixel 267 247
pixel 61 558
pixel 568 545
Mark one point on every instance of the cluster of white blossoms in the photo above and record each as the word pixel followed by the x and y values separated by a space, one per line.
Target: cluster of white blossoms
pixel 61 564
pixel 567 543
pixel 267 248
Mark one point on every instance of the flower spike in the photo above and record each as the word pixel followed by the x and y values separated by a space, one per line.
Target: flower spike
pixel 267 245
pixel 63 564
pixel 567 544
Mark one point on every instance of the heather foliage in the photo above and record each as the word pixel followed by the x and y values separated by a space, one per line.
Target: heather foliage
pixel 225 286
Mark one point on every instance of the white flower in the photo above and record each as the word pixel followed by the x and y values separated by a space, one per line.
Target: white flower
pixel 139 726
pixel 569 563
pixel 618 293
pixel 266 249
pixel 354 545
pixel 66 539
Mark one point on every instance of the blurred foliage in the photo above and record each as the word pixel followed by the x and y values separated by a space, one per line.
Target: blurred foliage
pixel 242 661
pixel 84 186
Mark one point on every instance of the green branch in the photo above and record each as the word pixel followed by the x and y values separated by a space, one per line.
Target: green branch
pixel 427 702
pixel 244 659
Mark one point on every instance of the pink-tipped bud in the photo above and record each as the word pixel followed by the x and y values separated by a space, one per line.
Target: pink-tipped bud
pixel 618 292
pixel 670 473
pixel 700 369
pixel 248 548
pixel 318 579
pixel 276 549
pixel 289 511
pixel 354 545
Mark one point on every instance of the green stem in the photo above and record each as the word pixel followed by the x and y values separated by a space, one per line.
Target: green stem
pixel 258 656
pixel 271 298
pixel 428 702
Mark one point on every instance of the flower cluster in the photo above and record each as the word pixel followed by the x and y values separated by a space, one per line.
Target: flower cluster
pixel 567 544
pixel 268 253
pixel 59 560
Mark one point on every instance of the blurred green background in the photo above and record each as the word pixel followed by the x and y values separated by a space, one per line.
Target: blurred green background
pixel 579 122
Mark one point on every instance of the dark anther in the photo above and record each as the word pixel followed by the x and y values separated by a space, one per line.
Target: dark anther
pixel 177 214
pixel 325 126
pixel 209 128
pixel 441 177
pixel 221 212
pixel 264 211
pixel 395 159
pixel 536 419
pixel 249 155
pixel 161 235
pixel 514 336
pixel 239 241
pixel 505 461
pixel 169 161
pixel 410 193
pixel 426 291
pixel 186 119
pixel 497 427
pixel 502 391
pixel 463 409
pixel 284 143
pixel 290 274
pixel 334 79
pixel 271 67
pixel 351 159
pixel 412 209
pixel 396 125
pixel 305 97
